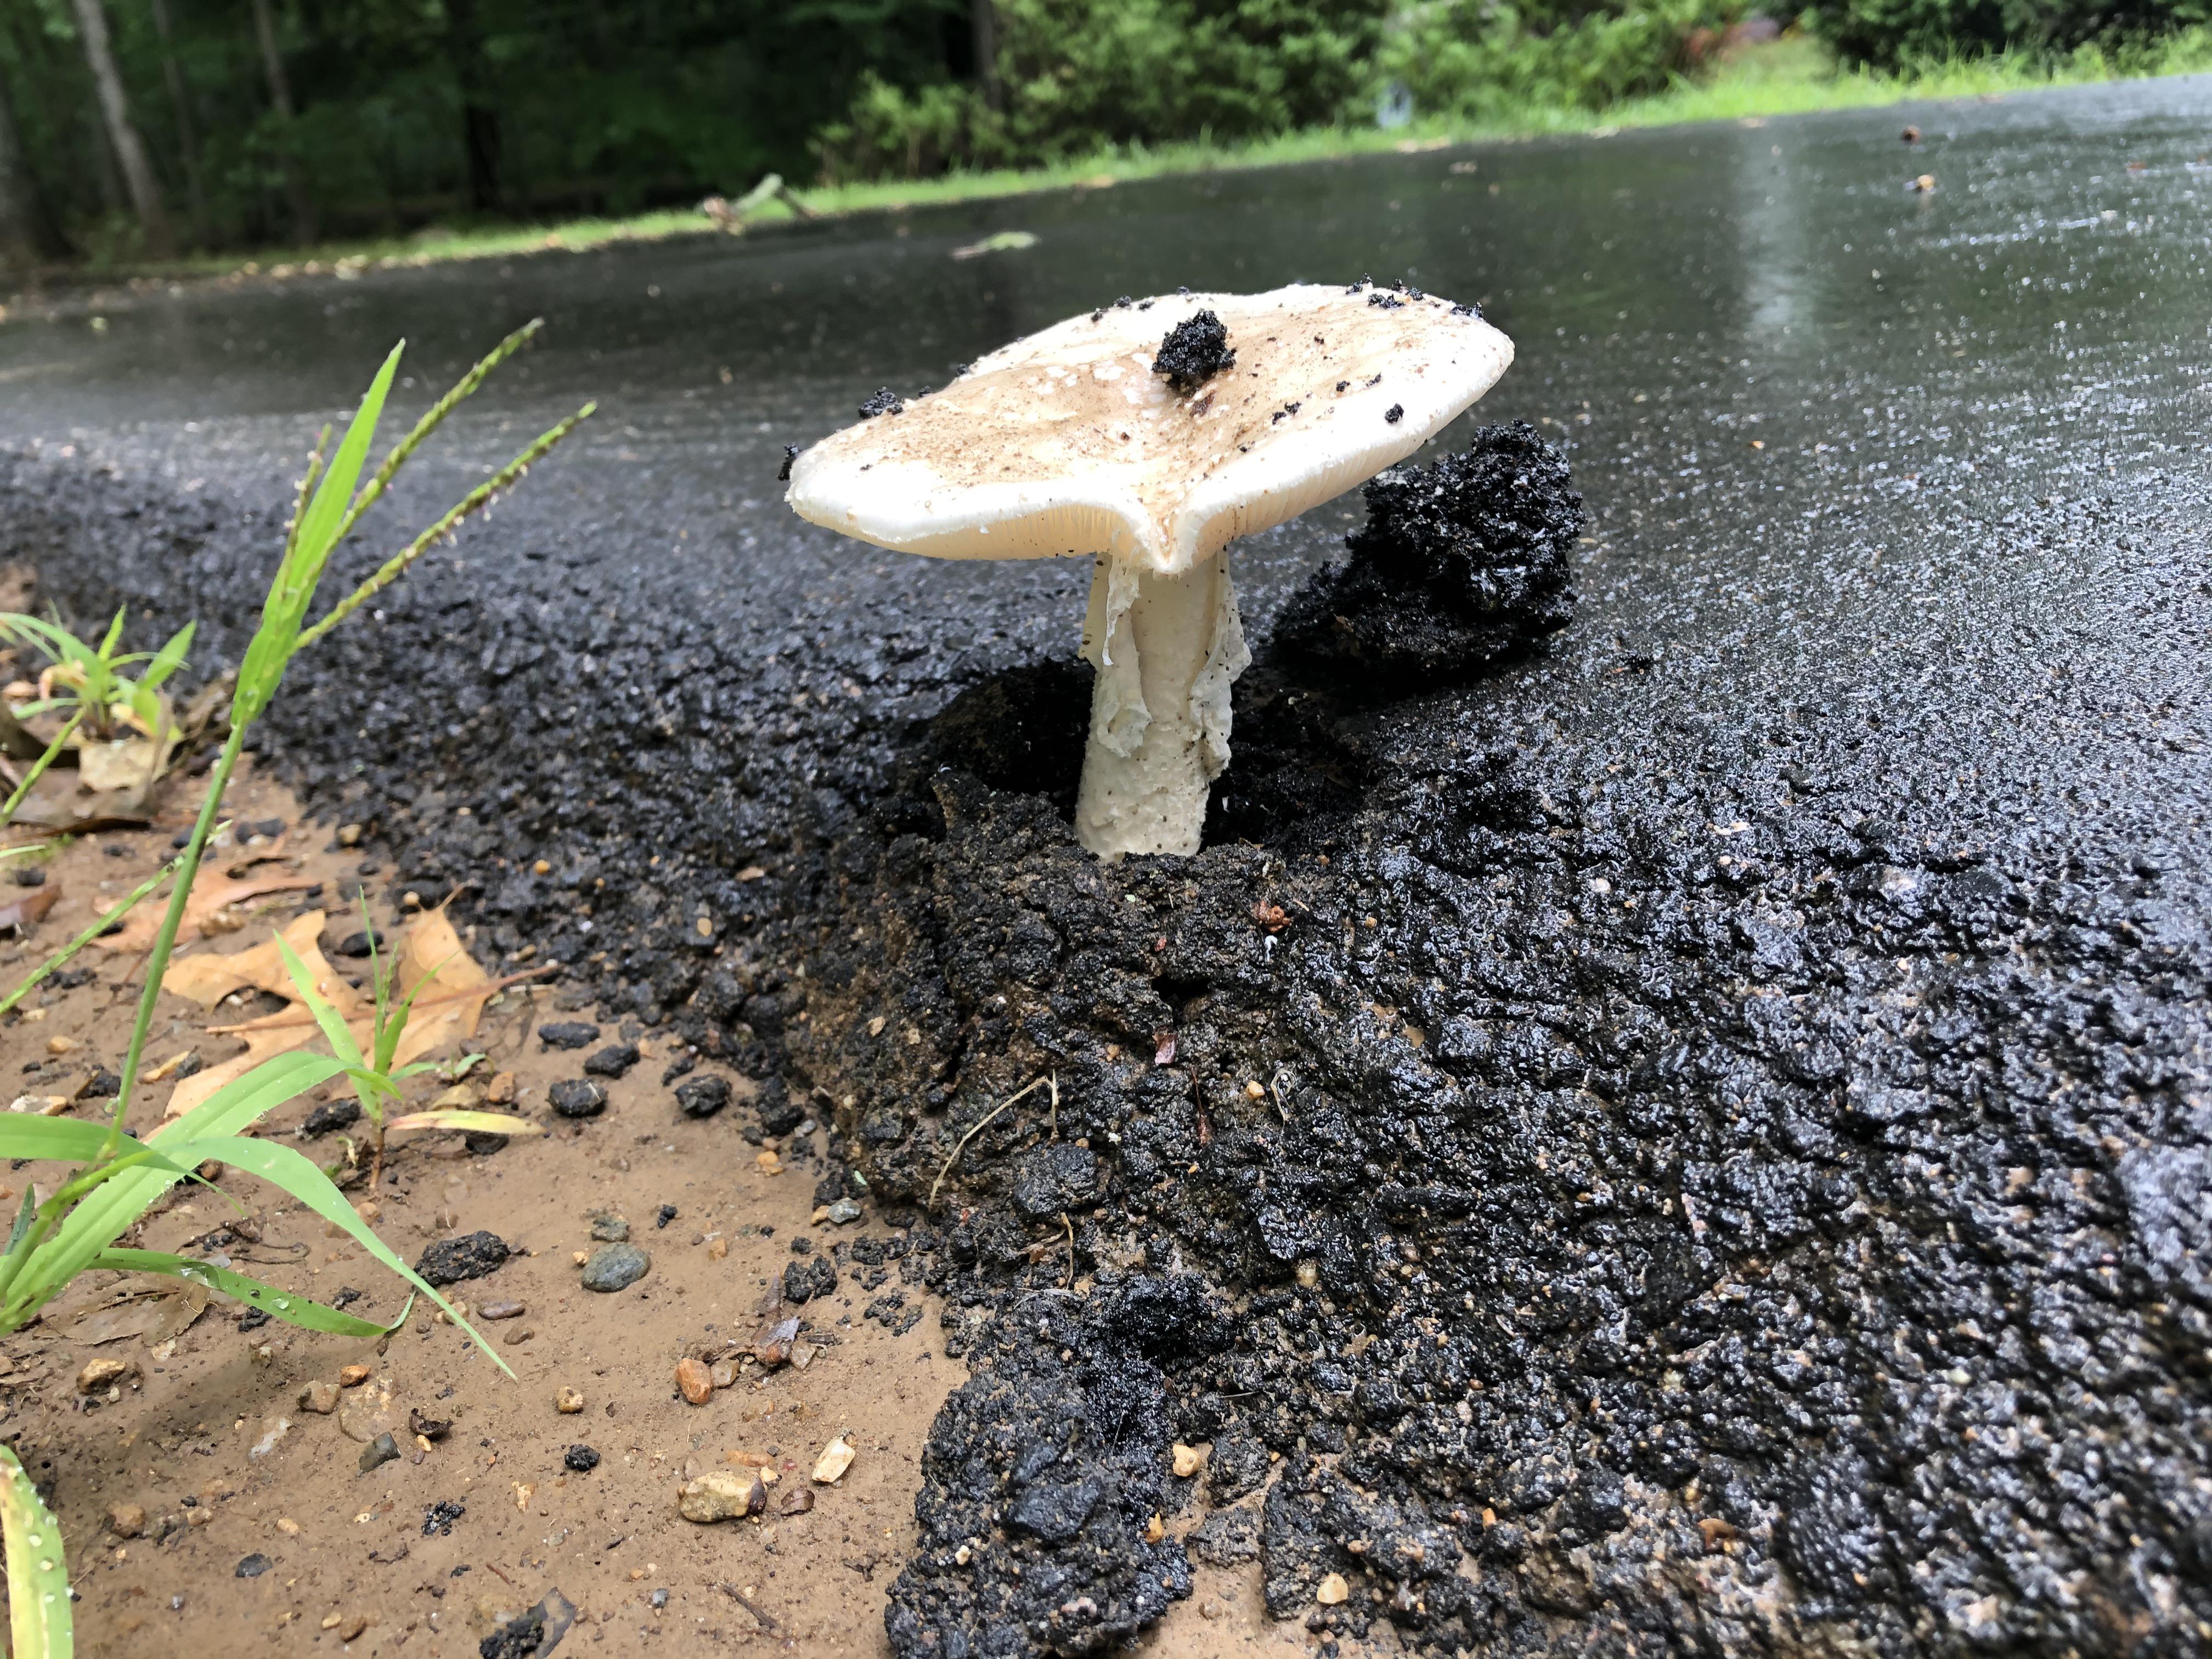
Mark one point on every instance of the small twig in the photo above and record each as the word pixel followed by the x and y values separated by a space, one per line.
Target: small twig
pixel 1055 1133
pixel 1030 1087
pixel 738 1595
pixel 1070 1226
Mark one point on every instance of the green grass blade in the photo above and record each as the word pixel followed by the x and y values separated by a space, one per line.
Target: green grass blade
pixel 169 658
pixel 334 1027
pixel 432 418
pixel 280 1166
pixel 301 569
pixel 114 633
pixel 299 1310
pixel 38 1573
pixel 104 1215
pixel 334 494
pixel 68 1139
pixel 22 1227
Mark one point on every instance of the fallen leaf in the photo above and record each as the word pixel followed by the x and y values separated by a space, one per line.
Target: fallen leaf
pixel 209 900
pixel 125 763
pixel 208 978
pixel 482 1123
pixel 453 991
pixel 434 963
pixel 179 1310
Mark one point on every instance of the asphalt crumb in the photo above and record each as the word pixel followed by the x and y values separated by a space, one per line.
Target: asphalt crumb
pixel 1460 565
pixel 1194 351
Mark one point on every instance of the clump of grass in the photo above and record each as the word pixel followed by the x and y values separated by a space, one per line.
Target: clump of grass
pixel 119 1176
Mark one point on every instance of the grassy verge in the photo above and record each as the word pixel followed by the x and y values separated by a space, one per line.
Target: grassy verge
pixel 1791 76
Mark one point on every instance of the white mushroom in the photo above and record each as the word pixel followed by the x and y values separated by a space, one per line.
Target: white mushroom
pixel 1069 442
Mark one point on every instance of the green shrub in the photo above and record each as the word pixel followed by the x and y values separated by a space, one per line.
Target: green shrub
pixel 1476 57
pixel 1895 33
pixel 1082 76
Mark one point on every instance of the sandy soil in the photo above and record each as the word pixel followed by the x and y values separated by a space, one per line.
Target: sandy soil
pixel 209 1434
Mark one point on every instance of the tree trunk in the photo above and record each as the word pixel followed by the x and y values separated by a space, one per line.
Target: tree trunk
pixel 188 143
pixel 122 137
pixel 983 31
pixel 279 95
pixel 23 236
pixel 479 115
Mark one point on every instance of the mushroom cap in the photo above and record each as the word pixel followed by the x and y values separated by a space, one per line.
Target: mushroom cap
pixel 1067 442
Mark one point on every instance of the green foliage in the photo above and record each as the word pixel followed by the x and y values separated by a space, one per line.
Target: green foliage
pixel 90 678
pixel 602 110
pixel 1082 76
pixel 117 1177
pixel 1892 34
pixel 1472 57
pixel 39 1611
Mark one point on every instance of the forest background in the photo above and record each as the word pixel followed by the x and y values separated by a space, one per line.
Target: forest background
pixel 137 132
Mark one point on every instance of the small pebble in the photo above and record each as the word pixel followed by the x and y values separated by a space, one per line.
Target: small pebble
pixel 610 1229
pixel 577 1096
pixel 568 1034
pixel 252 1566
pixel 581 1459
pixel 694 1382
pixel 381 1451
pixel 615 1268
pixel 702 1097
pixel 353 1377
pixel 567 1402
pixel 502 1310
pixel 613 1061
pixel 472 1256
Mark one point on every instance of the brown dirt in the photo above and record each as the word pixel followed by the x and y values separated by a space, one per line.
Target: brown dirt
pixel 347 1550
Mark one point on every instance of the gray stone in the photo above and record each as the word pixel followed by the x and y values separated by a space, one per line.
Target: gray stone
pixel 615 1268
pixel 381 1451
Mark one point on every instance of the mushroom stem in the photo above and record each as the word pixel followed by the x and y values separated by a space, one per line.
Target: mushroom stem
pixel 1167 649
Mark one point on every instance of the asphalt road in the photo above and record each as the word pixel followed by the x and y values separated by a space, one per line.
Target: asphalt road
pixel 1897 569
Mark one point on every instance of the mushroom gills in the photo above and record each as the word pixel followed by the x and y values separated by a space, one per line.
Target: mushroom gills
pixel 1167 649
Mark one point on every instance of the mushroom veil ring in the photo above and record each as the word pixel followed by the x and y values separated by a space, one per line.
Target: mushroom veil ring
pixel 1152 435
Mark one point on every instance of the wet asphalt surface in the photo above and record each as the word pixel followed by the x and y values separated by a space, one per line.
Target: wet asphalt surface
pixel 1746 1188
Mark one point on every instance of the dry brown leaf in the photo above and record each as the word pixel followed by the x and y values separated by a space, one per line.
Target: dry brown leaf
pixel 210 896
pixel 124 764
pixel 430 955
pixel 207 979
pixel 433 958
